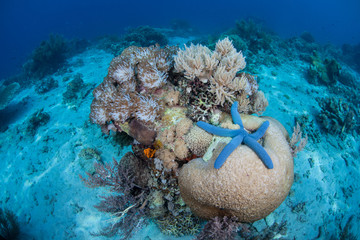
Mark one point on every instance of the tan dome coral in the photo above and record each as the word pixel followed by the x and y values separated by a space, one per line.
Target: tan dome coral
pixel 243 186
pixel 198 140
pixel 183 127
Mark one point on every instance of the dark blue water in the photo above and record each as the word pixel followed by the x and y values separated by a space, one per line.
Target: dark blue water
pixel 24 24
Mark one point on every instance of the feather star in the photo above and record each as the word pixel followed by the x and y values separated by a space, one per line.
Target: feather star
pixel 239 136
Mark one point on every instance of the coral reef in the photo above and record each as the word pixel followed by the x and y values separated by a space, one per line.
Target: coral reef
pixel 198 140
pixel 76 91
pixel 337 116
pixel 255 41
pixel 297 141
pixel 256 36
pixel 308 127
pixel 211 192
pixel 127 204
pixel 183 224
pixel 175 145
pixel 9 225
pixel 324 72
pixel 48 57
pixel 155 96
pixel 89 153
pixel 129 90
pixel 219 228
pixel 230 228
pixel 140 88
pixel 45 85
pixel 36 120
pixel 142 36
pixel 87 158
pixel 217 72
pixel 165 205
pixel 112 44
pixel 145 36
pixel 168 158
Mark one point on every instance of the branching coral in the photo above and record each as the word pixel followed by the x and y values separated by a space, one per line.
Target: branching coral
pixel 196 61
pixel 127 206
pixel 219 228
pixel 297 141
pixel 218 75
pixel 218 67
pixel 184 224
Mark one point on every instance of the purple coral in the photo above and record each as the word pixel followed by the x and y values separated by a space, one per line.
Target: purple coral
pixel 219 228
pixel 127 206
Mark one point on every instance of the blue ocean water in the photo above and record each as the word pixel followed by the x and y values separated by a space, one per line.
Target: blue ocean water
pixel 302 67
pixel 24 24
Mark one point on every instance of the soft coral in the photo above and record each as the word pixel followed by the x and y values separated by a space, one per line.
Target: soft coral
pixel 128 205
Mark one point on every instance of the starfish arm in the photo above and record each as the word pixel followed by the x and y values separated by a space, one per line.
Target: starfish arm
pixel 218 130
pixel 236 115
pixel 228 149
pixel 259 150
pixel 260 131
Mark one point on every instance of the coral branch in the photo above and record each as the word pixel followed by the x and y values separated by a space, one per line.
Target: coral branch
pixel 127 206
pixel 297 142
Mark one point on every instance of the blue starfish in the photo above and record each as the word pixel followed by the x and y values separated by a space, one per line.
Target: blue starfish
pixel 239 136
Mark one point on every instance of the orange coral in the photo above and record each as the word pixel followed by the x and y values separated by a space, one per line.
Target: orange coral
pixel 149 152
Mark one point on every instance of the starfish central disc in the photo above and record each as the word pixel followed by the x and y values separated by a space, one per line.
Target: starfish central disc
pixel 239 136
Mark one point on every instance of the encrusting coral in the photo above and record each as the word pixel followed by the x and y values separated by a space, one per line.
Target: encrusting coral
pixel 174 143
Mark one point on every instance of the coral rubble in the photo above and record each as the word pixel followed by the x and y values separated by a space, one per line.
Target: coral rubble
pixel 337 116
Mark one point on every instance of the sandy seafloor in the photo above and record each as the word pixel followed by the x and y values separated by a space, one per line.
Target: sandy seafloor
pixel 40 176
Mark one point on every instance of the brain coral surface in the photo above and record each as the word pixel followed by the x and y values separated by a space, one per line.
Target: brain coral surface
pixel 243 186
